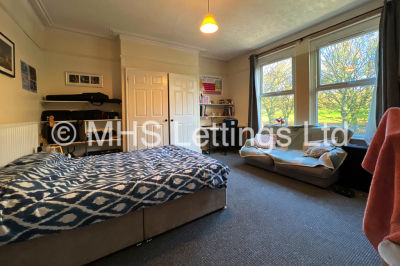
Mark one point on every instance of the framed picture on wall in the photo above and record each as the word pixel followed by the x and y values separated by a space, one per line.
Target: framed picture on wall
pixel 7 56
pixel 85 80
pixel 210 85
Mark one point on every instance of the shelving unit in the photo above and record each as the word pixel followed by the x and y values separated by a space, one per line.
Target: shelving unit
pixel 101 124
pixel 216 116
pixel 79 143
pixel 82 102
pixel 215 108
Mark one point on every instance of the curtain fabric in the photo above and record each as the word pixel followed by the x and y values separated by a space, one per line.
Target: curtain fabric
pixel 388 83
pixel 370 130
pixel 254 108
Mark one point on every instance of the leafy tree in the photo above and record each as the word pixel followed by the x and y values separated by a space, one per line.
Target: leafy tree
pixel 345 61
pixel 277 77
pixel 350 60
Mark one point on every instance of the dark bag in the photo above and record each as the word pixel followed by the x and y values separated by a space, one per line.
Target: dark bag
pixel 118 101
pixel 66 133
pixel 109 115
pixel 86 115
pixel 96 97
pixel 58 115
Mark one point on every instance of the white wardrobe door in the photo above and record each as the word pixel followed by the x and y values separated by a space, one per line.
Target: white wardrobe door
pixel 184 110
pixel 147 100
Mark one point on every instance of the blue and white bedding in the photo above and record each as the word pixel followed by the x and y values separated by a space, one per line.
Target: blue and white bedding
pixel 46 193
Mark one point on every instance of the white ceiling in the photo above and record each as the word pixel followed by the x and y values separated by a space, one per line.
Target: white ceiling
pixel 243 24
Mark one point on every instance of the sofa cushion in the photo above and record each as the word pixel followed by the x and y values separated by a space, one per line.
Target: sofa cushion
pixel 265 141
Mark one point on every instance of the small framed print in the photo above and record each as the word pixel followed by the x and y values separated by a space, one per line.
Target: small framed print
pixel 85 80
pixel 7 56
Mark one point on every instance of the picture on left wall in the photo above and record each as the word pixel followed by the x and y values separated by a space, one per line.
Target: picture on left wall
pixel 29 78
pixel 7 56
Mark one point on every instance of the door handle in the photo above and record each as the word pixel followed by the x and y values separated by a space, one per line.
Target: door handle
pixel 166 120
pixel 172 120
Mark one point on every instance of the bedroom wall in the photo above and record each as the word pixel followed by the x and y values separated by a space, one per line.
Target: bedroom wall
pixel 65 51
pixel 18 105
pixel 239 68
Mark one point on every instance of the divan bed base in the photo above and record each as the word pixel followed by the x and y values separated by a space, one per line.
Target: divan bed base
pixel 83 245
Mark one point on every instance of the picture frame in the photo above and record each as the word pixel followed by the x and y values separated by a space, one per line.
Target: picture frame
pixel 83 80
pixel 7 56
pixel 210 85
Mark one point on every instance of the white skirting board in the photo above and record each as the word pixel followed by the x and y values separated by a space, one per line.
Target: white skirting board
pixel 17 140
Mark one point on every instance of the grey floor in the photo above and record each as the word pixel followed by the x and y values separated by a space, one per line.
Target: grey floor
pixel 270 220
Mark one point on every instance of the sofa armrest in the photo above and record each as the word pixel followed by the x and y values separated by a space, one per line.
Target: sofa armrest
pixel 389 252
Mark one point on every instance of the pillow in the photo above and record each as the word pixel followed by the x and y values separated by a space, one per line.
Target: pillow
pixel 265 141
pixel 319 150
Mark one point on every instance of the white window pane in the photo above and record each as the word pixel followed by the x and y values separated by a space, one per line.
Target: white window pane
pixel 277 106
pixel 347 104
pixel 277 76
pixel 349 60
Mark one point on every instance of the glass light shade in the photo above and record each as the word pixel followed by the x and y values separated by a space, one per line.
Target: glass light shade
pixel 209 25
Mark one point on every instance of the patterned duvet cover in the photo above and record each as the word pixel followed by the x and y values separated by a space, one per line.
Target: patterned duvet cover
pixel 46 193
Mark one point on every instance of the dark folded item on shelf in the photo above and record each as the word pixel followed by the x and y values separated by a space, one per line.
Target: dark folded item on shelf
pixel 96 97
pixel 109 115
pixel 58 115
pixel 86 115
pixel 115 101
pixel 100 134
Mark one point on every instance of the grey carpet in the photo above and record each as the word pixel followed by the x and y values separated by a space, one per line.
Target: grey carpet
pixel 270 220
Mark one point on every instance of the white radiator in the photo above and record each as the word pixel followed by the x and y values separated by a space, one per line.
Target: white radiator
pixel 17 140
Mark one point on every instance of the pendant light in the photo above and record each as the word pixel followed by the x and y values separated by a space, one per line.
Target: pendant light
pixel 209 25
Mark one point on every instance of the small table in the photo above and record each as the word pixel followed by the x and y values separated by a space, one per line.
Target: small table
pixel 211 130
pixel 351 173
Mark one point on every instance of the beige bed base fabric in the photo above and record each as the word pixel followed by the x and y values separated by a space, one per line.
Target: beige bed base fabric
pixel 163 217
pixel 83 245
pixel 77 246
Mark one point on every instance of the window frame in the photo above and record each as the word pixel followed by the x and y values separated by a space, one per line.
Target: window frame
pixel 289 52
pixel 331 38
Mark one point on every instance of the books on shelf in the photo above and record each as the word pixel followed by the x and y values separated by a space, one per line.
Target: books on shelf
pixel 205 99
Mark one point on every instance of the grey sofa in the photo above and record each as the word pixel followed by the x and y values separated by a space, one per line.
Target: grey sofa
pixel 318 175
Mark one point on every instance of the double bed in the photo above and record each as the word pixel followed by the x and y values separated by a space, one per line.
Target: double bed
pixel 56 210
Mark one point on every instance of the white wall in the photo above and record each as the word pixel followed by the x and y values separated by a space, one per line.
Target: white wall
pixel 18 105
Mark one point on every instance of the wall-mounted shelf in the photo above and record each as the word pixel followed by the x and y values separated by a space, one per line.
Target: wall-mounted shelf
pixel 215 104
pixel 78 143
pixel 97 120
pixel 215 116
